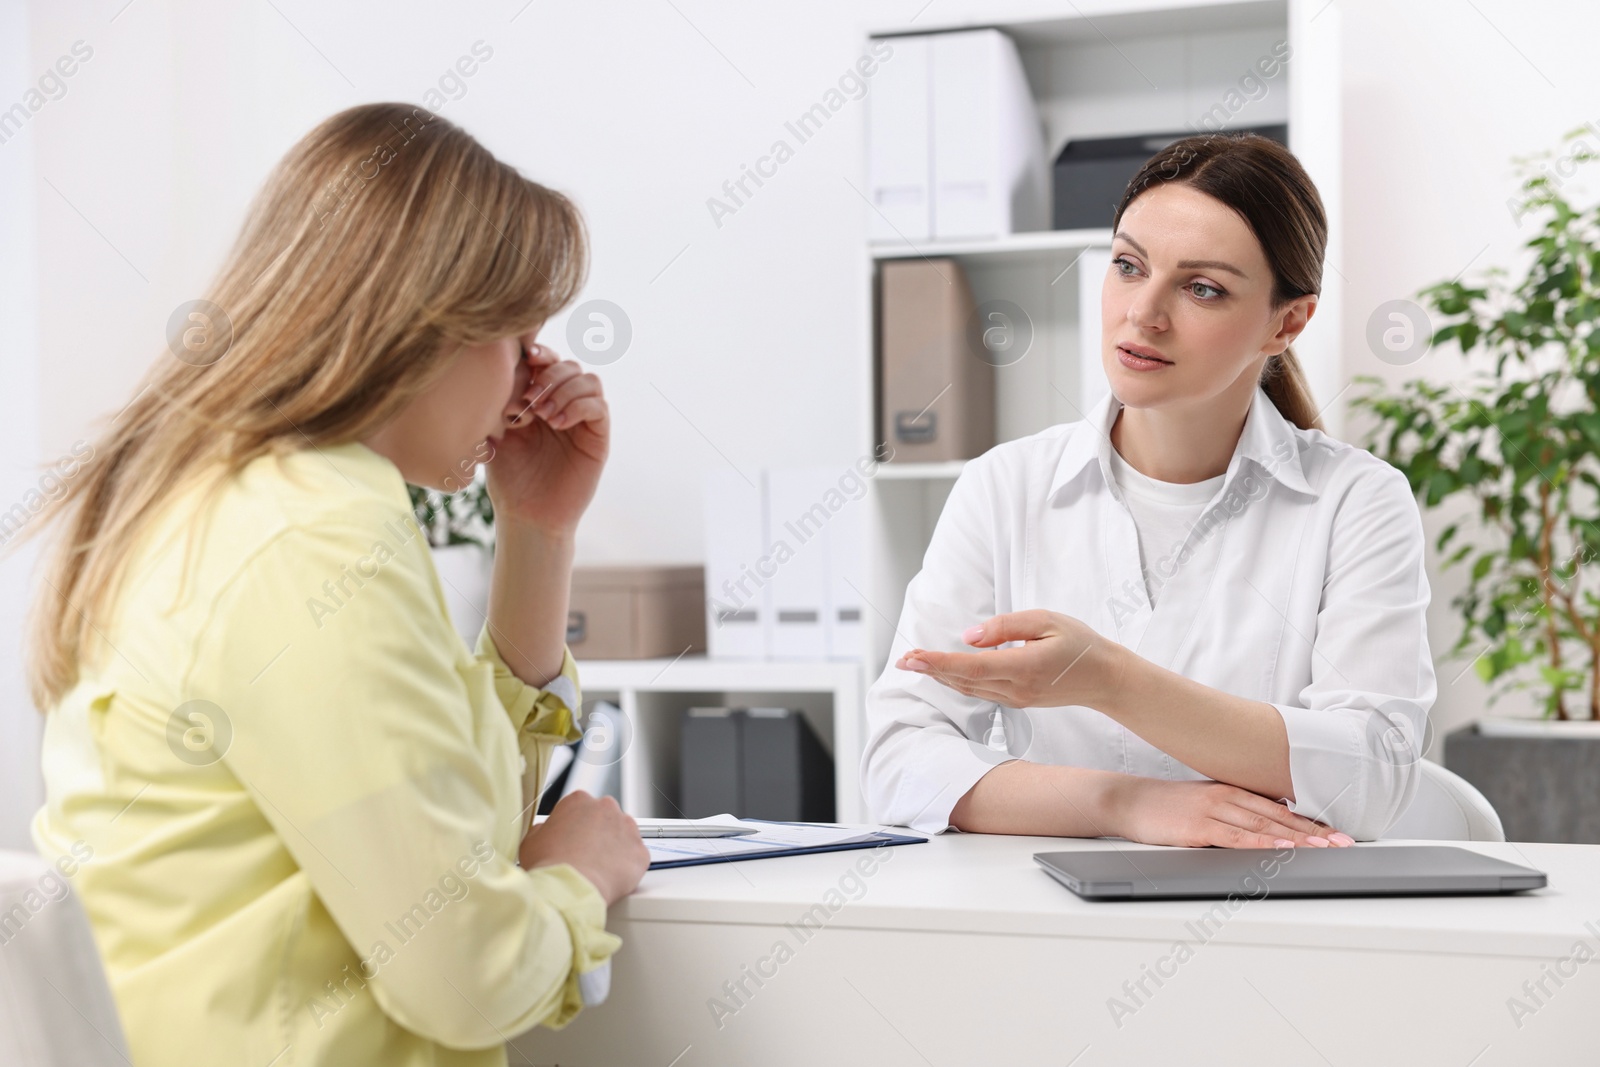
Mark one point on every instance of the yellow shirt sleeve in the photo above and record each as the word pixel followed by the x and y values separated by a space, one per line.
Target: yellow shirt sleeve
pixel 391 769
pixel 544 718
pixel 551 711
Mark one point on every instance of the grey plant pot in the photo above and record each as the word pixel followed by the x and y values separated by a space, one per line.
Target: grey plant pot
pixel 1543 779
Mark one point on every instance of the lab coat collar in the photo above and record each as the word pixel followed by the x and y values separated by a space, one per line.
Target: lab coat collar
pixel 1269 441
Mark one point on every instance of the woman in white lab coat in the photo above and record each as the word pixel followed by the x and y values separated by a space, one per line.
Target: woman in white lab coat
pixel 1190 617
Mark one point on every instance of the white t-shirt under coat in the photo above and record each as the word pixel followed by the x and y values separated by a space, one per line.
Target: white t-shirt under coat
pixel 1164 514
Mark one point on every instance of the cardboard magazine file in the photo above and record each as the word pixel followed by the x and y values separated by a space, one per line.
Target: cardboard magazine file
pixel 636 612
pixel 936 388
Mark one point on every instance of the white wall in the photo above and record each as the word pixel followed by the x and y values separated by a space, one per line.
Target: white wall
pixel 744 336
pixel 20 785
pixel 748 337
pixel 1438 97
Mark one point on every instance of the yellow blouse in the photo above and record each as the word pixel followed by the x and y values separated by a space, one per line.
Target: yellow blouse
pixel 304 795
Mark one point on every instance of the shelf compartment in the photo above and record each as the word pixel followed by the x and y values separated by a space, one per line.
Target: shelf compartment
pixel 1040 245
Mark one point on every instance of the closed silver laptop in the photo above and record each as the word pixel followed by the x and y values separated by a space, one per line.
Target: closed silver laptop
pixel 1212 873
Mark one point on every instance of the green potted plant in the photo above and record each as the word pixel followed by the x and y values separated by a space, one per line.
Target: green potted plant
pixel 1519 444
pixel 459 527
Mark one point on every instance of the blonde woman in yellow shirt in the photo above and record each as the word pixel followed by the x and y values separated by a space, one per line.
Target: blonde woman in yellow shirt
pixel 308 805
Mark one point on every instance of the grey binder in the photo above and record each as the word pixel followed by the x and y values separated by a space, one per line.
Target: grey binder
pixel 711 775
pixel 756 763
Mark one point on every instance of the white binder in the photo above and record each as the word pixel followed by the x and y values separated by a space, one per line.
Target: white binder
pixel 1092 381
pixel 990 176
pixel 846 613
pixel 898 127
pixel 738 597
pixel 803 503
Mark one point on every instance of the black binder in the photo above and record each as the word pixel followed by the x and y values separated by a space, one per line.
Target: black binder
pixel 755 763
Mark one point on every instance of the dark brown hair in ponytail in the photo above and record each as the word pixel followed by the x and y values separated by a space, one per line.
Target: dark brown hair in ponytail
pixel 1265 184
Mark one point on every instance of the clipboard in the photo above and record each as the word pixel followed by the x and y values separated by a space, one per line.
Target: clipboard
pixel 879 839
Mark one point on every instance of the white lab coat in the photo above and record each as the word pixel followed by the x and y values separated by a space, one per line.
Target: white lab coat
pixel 1304 587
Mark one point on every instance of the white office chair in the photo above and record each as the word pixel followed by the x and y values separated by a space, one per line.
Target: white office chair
pixel 55 1005
pixel 1447 808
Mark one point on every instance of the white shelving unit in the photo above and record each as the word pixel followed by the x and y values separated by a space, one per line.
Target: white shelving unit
pixel 902 472
pixel 654 693
pixel 1017 248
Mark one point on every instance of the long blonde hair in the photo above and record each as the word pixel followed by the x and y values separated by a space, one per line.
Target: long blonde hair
pixel 382 241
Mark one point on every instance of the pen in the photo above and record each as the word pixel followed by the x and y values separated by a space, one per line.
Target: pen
pixel 712 830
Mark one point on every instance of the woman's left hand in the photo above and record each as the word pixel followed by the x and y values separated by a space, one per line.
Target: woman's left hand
pixel 545 467
pixel 1064 662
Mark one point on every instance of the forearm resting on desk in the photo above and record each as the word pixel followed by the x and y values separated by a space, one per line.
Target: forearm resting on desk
pixel 1050 800
pixel 1040 799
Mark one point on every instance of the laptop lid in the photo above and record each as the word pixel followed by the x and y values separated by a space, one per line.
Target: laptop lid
pixel 1211 873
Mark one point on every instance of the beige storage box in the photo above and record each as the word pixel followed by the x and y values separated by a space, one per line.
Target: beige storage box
pixel 936 386
pixel 636 612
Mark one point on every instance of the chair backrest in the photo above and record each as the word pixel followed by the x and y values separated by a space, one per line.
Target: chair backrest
pixel 1447 808
pixel 56 1008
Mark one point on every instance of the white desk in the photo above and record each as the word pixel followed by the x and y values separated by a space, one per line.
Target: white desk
pixel 962 951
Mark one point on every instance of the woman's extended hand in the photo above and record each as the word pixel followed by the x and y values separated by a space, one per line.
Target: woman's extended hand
pixel 1063 662
pixel 596 837
pixel 1160 812
pixel 545 468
